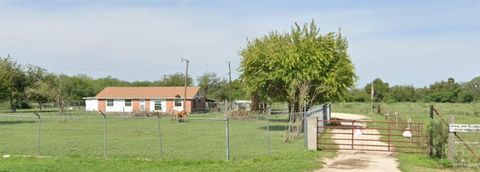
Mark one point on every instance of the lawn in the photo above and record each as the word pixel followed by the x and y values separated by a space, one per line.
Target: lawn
pixel 75 142
pixel 419 112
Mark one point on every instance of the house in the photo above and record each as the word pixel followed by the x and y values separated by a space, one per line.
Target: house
pixel 147 99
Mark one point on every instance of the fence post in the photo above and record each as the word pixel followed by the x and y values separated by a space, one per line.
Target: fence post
pixel 104 135
pixel 312 123
pixel 305 136
pixel 431 132
pixel 38 133
pixel 451 141
pixel 389 134
pixel 227 132
pixel 268 131
pixel 159 135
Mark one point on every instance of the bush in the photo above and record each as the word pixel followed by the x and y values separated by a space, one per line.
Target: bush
pixel 439 133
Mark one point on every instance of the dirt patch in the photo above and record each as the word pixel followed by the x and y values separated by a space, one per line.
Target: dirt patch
pixel 351 163
pixel 362 161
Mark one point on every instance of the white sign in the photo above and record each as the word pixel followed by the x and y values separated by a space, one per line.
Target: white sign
pixel 464 128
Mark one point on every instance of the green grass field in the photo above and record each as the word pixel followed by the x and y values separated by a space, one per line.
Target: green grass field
pixel 75 143
pixel 419 112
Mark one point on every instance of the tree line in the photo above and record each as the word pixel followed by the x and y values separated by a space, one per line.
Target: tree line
pixel 445 91
pixel 20 84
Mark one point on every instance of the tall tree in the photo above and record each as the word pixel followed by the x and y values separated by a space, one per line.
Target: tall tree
pixel 210 83
pixel 61 90
pixel 13 82
pixel 38 90
pixel 381 90
pixel 300 67
pixel 443 91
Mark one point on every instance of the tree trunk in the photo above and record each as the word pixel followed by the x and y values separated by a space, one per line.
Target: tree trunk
pixel 13 105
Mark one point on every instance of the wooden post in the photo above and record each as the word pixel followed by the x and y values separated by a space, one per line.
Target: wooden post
pixel 451 141
pixel 430 146
pixel 389 135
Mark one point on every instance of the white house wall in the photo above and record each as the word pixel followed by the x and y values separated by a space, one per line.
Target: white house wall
pixel 91 105
pixel 118 106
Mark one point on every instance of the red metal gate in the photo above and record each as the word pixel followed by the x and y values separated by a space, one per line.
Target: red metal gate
pixel 365 135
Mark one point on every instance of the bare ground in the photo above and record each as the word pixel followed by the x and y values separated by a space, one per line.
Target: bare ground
pixel 355 160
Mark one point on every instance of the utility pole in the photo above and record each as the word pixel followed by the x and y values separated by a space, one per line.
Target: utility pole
pixel 229 73
pixel 186 79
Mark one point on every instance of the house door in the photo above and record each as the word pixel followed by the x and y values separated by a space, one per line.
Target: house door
pixel 142 105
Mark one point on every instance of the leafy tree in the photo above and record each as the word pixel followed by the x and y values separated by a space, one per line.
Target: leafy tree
pixel 81 86
pixel 177 79
pixel 61 90
pixel 39 93
pixel 443 91
pixel 420 93
pixel 211 84
pixel 356 95
pixel 38 90
pixel 219 89
pixel 403 93
pixel 381 90
pixel 297 67
pixel 110 81
pixel 13 82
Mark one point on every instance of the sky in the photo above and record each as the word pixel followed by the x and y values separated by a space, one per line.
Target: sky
pixel 403 42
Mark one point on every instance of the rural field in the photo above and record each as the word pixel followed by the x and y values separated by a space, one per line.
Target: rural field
pixel 75 142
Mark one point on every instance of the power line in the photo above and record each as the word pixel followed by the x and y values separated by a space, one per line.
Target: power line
pixel 114 46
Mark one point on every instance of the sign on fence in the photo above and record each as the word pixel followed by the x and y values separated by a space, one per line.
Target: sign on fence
pixel 464 128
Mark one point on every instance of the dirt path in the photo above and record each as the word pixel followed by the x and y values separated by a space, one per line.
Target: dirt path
pixel 355 160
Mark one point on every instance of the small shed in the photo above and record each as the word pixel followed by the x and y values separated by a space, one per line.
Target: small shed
pixel 91 103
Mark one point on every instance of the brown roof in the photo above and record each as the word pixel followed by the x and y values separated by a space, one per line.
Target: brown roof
pixel 147 92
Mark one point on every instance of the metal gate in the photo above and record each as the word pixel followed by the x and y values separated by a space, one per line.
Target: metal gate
pixel 366 135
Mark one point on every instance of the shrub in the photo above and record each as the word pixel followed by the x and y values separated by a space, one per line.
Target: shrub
pixel 439 133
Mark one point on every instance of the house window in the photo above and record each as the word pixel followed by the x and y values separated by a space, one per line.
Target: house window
pixel 109 102
pixel 128 102
pixel 178 102
pixel 158 105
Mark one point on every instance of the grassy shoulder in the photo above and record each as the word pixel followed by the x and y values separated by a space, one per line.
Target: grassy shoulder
pixel 286 161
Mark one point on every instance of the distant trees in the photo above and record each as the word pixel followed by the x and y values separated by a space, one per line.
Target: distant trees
pixel 22 83
pixel 26 83
pixel 177 79
pixel 443 91
pixel 448 91
pixel 219 89
pixel 400 93
pixel 381 90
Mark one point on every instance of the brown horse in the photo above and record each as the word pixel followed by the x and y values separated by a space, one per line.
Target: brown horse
pixel 180 116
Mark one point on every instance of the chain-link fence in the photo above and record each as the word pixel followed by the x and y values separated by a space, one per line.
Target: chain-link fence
pixel 202 136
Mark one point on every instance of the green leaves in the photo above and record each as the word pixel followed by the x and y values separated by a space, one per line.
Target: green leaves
pixel 276 64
